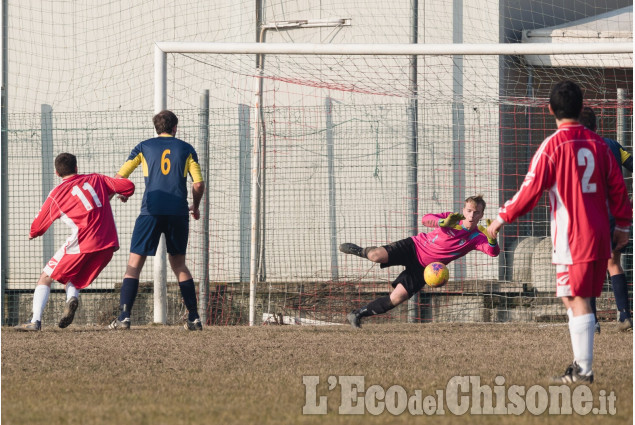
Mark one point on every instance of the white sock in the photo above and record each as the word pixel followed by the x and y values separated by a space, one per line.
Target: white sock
pixel 569 314
pixel 40 298
pixel 71 291
pixel 582 330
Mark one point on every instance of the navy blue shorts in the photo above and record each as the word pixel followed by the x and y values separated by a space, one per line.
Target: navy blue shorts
pixel 404 253
pixel 148 229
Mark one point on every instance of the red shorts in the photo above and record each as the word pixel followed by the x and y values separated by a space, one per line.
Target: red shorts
pixel 79 269
pixel 581 280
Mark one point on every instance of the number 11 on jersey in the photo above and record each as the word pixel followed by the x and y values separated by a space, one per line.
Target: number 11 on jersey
pixel 87 187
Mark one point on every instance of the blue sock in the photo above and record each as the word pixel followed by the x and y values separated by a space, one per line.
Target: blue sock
pixel 620 290
pixel 188 291
pixel 594 309
pixel 129 289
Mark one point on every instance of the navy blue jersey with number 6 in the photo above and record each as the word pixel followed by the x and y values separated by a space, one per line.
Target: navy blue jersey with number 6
pixel 166 162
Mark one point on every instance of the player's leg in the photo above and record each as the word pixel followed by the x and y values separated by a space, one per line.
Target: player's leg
pixel 129 290
pixel 379 306
pixel 620 290
pixel 176 239
pixel 377 255
pixel 594 309
pixel 581 331
pixel 373 253
pixel 387 255
pixel 620 286
pixel 145 240
pixel 177 263
pixel 577 283
pixel 40 299
pixel 72 302
pixel 188 291
pixel 59 268
pixel 71 291
pixel 409 282
pixel 86 268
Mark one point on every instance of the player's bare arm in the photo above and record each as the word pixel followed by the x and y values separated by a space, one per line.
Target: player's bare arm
pixel 493 228
pixel 198 189
pixel 620 238
pixel 483 230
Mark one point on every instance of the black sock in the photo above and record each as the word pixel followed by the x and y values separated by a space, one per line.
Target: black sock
pixel 129 289
pixel 188 291
pixel 620 290
pixel 594 309
pixel 379 306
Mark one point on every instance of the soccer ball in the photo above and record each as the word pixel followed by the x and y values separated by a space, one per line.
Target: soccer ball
pixel 436 275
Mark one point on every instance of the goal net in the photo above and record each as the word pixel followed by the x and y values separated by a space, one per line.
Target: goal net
pixel 305 148
pixel 357 148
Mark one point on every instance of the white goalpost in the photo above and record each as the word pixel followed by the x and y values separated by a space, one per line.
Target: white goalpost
pixel 162 49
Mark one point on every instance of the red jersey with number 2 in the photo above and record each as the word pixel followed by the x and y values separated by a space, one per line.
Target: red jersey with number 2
pixel 584 181
pixel 82 202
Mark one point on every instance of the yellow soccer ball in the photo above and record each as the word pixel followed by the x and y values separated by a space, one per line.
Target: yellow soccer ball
pixel 436 274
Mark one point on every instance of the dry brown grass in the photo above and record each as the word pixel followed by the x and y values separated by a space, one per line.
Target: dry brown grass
pixel 165 375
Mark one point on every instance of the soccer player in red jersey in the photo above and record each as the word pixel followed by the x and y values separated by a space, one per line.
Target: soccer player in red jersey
pixel 82 202
pixel 454 236
pixel 584 181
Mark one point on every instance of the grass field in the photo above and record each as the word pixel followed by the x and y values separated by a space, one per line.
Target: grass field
pixel 224 375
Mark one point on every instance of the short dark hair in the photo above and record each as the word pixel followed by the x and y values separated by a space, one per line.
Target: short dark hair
pixel 477 200
pixel 165 121
pixel 566 100
pixel 65 164
pixel 588 119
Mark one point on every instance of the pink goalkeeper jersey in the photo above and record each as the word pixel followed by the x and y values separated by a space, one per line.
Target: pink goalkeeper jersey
pixel 584 181
pixel 447 244
pixel 82 202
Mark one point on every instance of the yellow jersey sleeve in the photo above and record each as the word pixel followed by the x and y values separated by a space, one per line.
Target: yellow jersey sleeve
pixel 194 169
pixel 129 166
pixel 624 155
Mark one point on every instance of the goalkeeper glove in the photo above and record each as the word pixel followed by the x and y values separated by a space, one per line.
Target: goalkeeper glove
pixel 451 220
pixel 483 230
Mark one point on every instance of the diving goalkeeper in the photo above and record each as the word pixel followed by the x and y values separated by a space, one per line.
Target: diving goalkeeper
pixel 455 235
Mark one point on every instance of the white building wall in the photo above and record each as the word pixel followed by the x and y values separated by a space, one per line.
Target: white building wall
pixel 99 57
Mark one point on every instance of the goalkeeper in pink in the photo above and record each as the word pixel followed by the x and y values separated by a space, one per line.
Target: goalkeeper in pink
pixel 584 182
pixel 455 235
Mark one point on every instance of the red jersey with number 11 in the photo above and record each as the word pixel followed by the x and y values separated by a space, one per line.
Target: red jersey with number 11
pixel 584 181
pixel 82 202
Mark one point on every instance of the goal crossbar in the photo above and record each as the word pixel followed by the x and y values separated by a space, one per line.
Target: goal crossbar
pixel 396 49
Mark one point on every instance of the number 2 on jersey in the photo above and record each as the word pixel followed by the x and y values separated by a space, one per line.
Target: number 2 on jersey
pixel 87 187
pixel 586 159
